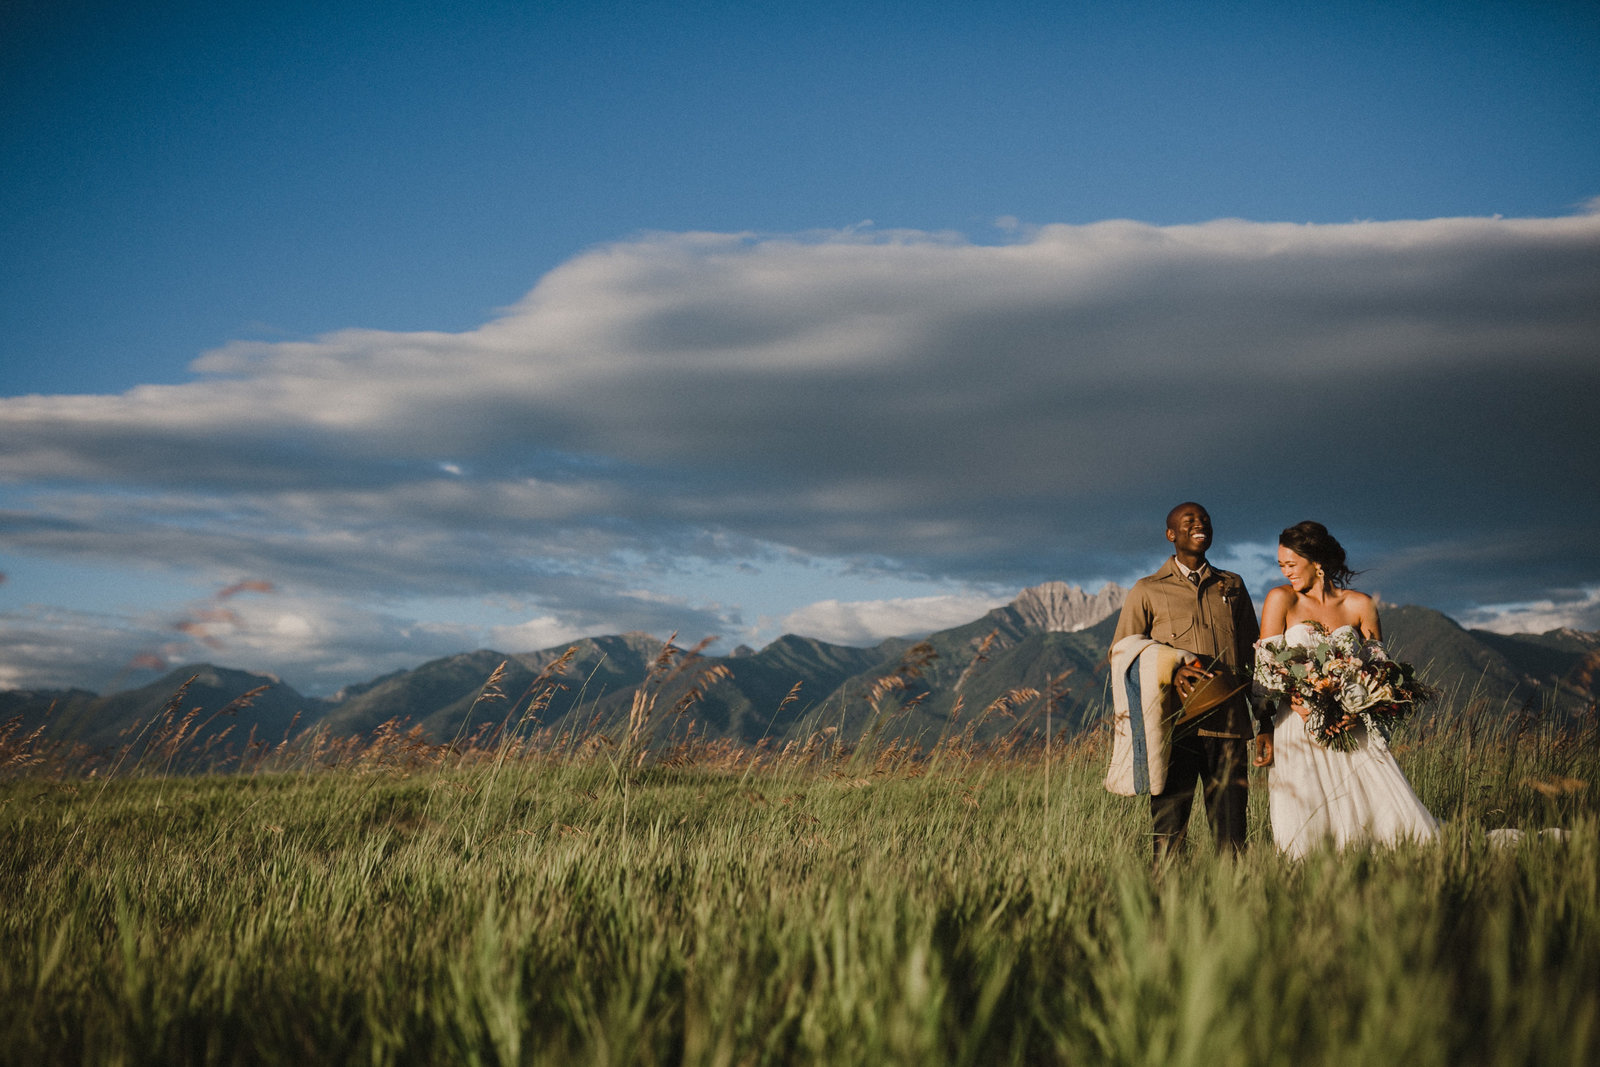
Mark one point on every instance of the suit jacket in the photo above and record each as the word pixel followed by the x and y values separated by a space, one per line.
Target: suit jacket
pixel 1216 621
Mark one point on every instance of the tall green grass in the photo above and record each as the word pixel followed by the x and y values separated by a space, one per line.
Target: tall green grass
pixel 599 902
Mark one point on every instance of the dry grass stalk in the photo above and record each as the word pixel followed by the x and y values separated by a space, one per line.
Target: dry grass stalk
pixel 703 682
pixel 917 659
pixel 489 691
pixel 884 686
pixel 20 752
pixel 669 665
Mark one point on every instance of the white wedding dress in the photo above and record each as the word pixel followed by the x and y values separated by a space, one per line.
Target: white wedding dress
pixel 1318 795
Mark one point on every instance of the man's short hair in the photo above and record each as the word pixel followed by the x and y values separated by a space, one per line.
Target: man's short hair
pixel 1172 516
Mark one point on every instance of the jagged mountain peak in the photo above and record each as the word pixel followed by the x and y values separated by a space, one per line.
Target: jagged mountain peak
pixel 1056 607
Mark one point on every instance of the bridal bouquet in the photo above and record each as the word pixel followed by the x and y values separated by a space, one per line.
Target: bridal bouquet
pixel 1342 680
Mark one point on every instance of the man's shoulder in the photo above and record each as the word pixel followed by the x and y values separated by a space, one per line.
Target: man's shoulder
pixel 1144 588
pixel 1165 571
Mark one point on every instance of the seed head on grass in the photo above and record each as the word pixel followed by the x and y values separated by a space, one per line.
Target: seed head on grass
pixel 917 659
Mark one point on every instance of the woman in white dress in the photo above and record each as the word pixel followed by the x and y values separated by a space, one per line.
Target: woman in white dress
pixel 1318 794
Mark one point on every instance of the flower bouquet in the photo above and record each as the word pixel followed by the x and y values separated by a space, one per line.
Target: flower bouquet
pixel 1342 680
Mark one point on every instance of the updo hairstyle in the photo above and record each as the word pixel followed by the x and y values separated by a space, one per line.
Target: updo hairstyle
pixel 1312 541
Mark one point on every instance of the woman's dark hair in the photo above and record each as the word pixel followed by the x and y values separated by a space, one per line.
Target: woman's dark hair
pixel 1313 541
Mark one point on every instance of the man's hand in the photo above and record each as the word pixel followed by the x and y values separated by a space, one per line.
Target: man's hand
pixel 1186 677
pixel 1263 750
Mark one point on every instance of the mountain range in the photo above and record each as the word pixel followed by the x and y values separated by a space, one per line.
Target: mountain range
pixel 990 675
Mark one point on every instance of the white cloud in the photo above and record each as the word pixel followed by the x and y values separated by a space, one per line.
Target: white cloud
pixel 532 635
pixel 1579 612
pixel 59 648
pixel 314 643
pixel 720 349
pixel 866 622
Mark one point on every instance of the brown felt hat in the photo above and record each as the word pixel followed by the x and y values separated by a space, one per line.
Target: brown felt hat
pixel 1207 695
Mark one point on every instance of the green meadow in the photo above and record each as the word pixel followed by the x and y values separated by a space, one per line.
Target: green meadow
pixel 610 903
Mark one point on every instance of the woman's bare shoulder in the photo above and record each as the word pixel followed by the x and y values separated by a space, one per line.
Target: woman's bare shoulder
pixel 1280 594
pixel 1360 610
pixel 1275 610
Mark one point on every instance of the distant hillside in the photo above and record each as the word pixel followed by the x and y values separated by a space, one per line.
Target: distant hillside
pixel 220 710
pixel 439 694
pixel 1550 672
pixel 1052 638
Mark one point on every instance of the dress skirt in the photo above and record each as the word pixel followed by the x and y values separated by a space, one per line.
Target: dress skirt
pixel 1317 795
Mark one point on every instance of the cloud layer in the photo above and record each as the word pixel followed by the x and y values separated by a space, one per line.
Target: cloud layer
pixel 985 416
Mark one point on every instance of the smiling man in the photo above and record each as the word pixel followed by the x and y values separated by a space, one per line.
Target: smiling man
pixel 1191 605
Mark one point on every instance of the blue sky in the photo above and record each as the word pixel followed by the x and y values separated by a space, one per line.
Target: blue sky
pixel 499 324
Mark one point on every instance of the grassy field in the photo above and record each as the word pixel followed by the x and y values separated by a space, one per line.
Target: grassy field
pixel 402 903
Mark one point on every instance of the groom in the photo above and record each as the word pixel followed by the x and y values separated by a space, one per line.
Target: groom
pixel 1192 605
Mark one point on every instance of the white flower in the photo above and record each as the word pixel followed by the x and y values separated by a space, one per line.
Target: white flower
pixel 1345 641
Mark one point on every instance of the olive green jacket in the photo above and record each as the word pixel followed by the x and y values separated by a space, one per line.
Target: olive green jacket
pixel 1216 621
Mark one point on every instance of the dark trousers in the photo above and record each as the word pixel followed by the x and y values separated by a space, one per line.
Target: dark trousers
pixel 1222 766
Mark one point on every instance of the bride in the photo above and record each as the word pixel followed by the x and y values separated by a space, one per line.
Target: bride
pixel 1317 794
